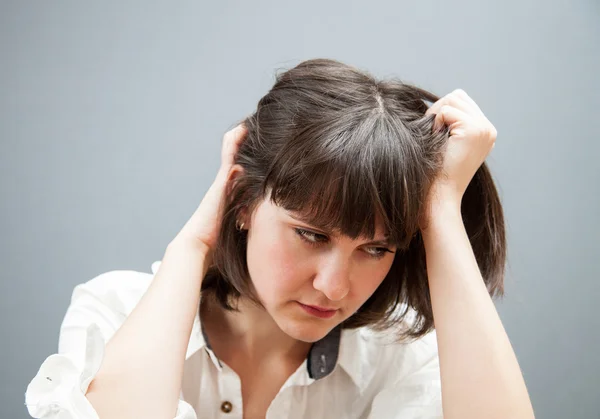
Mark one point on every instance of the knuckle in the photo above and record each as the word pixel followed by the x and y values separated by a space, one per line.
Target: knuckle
pixel 455 101
pixel 460 93
pixel 490 132
pixel 232 131
pixel 233 134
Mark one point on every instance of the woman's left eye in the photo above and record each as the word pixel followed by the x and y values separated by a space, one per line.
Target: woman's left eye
pixel 380 252
pixel 315 239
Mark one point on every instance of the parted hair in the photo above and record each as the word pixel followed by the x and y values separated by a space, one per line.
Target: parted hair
pixel 344 149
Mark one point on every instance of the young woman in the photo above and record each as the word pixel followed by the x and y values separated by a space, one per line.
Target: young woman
pixel 348 218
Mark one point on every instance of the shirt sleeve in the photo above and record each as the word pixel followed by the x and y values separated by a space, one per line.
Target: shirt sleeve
pixel 417 394
pixel 97 309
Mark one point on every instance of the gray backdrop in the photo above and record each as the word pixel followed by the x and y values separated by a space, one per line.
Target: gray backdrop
pixel 111 118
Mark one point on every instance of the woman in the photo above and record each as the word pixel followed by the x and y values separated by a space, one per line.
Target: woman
pixel 347 219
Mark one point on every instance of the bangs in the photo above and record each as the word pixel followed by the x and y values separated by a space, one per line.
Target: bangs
pixel 350 155
pixel 350 178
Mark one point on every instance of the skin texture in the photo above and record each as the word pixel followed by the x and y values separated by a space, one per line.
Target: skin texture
pixel 286 268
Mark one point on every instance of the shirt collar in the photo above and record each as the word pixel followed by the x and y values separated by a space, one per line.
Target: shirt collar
pixel 345 347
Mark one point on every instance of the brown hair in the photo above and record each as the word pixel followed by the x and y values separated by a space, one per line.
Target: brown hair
pixel 344 149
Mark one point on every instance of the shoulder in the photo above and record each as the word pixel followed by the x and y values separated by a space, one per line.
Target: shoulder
pixel 398 376
pixel 386 361
pixel 406 356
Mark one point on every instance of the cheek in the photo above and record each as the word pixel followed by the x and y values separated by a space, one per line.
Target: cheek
pixel 275 265
pixel 370 279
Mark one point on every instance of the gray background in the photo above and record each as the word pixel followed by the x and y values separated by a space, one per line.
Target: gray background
pixel 111 118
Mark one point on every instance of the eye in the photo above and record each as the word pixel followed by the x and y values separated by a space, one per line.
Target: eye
pixel 380 252
pixel 310 237
pixel 315 239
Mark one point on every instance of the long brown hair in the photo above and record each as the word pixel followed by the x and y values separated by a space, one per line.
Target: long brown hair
pixel 346 150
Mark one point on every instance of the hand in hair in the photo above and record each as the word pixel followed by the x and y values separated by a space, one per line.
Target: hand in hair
pixel 472 137
pixel 202 228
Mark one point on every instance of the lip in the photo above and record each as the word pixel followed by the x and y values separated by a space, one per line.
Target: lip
pixel 318 311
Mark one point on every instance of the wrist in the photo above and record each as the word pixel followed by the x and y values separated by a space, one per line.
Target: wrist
pixel 444 209
pixel 187 244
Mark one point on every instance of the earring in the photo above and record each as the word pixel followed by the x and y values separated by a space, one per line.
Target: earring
pixel 239 226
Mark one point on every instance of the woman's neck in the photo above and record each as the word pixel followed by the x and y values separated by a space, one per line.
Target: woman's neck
pixel 250 334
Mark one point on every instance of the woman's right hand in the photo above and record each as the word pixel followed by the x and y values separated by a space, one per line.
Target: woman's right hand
pixel 202 228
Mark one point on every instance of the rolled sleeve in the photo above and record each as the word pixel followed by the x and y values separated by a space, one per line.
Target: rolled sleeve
pixel 58 389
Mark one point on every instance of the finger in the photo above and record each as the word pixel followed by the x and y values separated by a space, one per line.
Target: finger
pixel 459 103
pixel 456 99
pixel 444 100
pixel 465 97
pixel 231 142
pixel 449 115
pixel 435 108
pixel 236 134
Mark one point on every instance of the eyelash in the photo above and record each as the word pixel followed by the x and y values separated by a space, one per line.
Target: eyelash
pixel 304 234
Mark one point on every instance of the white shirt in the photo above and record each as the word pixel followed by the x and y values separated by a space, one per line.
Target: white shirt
pixel 366 376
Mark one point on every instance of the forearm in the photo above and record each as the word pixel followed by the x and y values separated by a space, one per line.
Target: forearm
pixel 480 374
pixel 142 369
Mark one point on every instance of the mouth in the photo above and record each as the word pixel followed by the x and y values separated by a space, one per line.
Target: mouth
pixel 318 311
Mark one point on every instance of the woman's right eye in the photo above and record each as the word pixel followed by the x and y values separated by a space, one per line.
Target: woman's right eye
pixel 310 237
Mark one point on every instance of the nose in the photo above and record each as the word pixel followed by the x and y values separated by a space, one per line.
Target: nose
pixel 333 279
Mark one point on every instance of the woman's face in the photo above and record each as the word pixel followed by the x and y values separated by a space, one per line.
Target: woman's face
pixel 288 270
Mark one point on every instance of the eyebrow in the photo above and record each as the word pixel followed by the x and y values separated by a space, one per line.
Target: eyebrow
pixel 385 242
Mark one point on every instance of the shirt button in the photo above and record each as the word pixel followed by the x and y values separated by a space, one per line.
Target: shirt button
pixel 226 407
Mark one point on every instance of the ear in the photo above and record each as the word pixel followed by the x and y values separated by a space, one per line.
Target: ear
pixel 235 171
pixel 243 216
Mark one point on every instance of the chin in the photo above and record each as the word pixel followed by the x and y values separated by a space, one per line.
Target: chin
pixel 306 330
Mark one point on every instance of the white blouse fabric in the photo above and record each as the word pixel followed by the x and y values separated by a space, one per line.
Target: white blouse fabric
pixel 371 378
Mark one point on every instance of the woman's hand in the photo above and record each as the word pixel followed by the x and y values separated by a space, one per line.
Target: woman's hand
pixel 472 137
pixel 202 228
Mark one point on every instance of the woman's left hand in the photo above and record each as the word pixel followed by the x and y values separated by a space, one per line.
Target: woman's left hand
pixel 472 137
